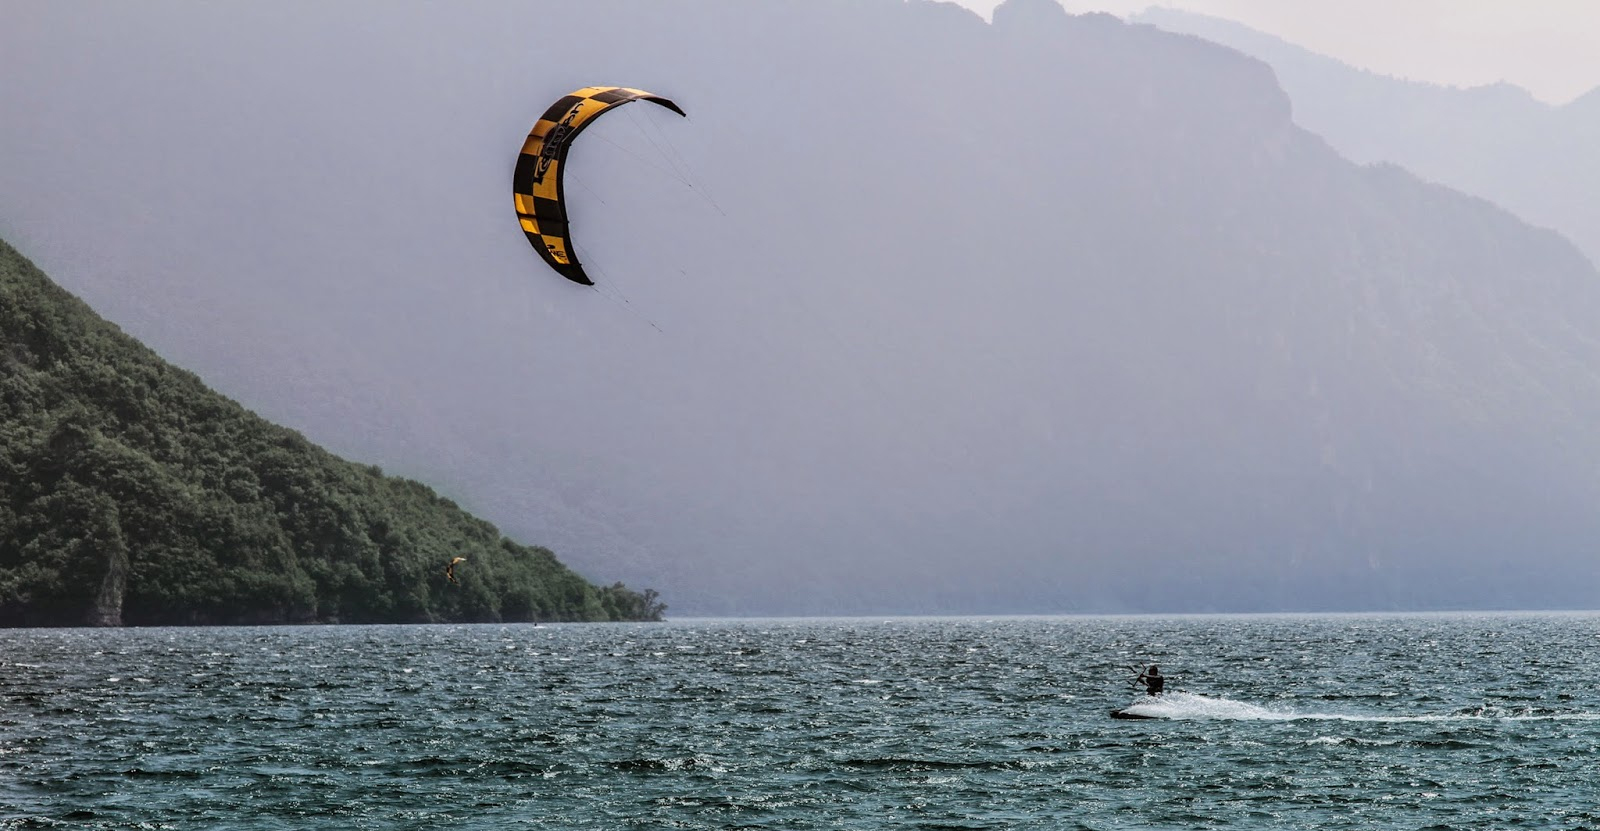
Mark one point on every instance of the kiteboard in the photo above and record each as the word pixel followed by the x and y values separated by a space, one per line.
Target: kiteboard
pixel 1139 709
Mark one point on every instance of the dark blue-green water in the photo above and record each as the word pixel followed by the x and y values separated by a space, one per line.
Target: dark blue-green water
pixel 1327 722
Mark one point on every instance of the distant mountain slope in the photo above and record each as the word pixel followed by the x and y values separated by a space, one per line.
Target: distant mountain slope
pixel 912 313
pixel 1539 161
pixel 130 493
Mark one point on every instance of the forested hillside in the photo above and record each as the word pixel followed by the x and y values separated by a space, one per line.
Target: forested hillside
pixel 130 493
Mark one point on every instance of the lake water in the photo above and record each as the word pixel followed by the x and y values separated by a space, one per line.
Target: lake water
pixel 1283 722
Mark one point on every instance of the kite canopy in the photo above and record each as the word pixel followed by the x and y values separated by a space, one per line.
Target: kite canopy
pixel 537 182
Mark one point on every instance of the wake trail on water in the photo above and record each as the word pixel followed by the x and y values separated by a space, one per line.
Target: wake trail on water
pixel 1183 705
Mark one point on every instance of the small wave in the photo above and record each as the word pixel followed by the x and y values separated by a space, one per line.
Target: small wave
pixel 906 764
pixel 668 764
pixel 1351 741
pixel 142 773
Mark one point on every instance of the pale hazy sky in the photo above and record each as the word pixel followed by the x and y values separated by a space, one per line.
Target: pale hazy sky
pixel 1549 47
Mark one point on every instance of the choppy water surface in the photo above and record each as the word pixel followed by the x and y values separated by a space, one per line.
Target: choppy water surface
pixel 1483 721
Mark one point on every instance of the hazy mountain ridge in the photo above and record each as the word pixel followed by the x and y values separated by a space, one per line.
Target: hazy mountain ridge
pixel 1053 314
pixel 1539 161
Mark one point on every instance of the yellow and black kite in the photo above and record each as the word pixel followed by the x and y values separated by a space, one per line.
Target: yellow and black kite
pixel 537 183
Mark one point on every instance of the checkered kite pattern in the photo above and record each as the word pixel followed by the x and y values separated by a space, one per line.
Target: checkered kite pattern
pixel 536 183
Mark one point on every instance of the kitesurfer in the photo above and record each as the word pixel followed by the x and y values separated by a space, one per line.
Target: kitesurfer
pixel 450 569
pixel 1152 679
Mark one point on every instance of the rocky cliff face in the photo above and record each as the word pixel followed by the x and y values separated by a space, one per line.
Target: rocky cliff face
pixel 107 608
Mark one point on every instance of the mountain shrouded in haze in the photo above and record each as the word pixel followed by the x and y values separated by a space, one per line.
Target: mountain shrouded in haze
pixel 130 493
pixel 913 313
pixel 1542 162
